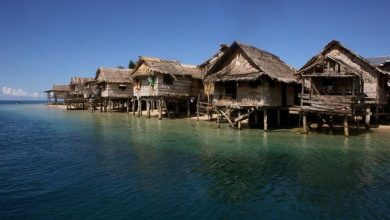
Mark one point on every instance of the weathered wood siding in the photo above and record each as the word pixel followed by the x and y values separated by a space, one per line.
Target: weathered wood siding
pixel 371 79
pixel 112 90
pixel 180 87
pixel 266 95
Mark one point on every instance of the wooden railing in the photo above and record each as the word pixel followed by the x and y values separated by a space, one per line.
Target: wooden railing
pixel 344 104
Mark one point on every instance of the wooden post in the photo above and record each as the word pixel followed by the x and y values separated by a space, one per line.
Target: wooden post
pixel 188 107
pixel 208 109
pixel 159 109
pixel 304 124
pixel 278 115
pixel 139 109
pixel 331 124
pixel 319 123
pixel 218 118
pixel 265 120
pixel 177 108
pixel 345 124
pixel 166 109
pixel 197 108
pixel 367 118
pixel 127 106
pixel 256 118
pixel 239 123
pixel 148 109
pixel 133 106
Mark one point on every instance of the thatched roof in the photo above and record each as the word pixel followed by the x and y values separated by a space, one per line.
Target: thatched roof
pixel 324 54
pixel 148 66
pixel 113 75
pixel 80 80
pixel 210 62
pixel 261 63
pixel 378 61
pixel 59 88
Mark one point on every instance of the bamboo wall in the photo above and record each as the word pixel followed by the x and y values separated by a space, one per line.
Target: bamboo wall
pixel 112 90
pixel 179 88
pixel 262 95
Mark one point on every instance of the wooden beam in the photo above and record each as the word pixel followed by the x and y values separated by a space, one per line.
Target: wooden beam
pixel 159 109
pixel 345 125
pixel 239 121
pixel 197 108
pixel 227 118
pixel 304 124
pixel 265 119
pixel 148 108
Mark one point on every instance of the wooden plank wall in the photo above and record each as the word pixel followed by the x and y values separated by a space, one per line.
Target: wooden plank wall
pixel 112 91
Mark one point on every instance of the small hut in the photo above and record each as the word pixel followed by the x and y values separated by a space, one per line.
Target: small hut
pixel 340 83
pixel 247 80
pixel 206 97
pixel 114 88
pixel 76 99
pixel 166 83
pixel 58 94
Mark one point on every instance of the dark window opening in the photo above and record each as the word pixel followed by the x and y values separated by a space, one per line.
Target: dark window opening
pixel 272 83
pixel 231 90
pixel 168 80
pixel 254 84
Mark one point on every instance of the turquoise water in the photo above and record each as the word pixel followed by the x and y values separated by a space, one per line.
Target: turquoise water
pixel 57 164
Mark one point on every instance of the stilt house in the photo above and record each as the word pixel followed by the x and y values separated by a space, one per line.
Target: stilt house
pixel 59 93
pixel 246 79
pixel 114 87
pixel 76 98
pixel 165 82
pixel 341 83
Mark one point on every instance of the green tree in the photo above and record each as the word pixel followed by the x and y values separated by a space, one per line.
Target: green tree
pixel 132 64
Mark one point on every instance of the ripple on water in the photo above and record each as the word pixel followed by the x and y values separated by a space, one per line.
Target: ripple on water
pixel 64 165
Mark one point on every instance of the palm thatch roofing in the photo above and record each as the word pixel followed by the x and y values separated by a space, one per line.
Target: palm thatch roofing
pixel 148 66
pixel 113 75
pixel 80 80
pixel 206 65
pixel 262 63
pixel 59 88
pixel 324 54
pixel 379 61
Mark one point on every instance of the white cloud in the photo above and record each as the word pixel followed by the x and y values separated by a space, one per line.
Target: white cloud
pixel 7 91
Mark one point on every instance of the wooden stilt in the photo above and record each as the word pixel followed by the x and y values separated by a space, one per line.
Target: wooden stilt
pixel 159 109
pixel 197 108
pixel 218 118
pixel 239 122
pixel 177 108
pixel 166 109
pixel 256 118
pixel 367 118
pixel 188 108
pixel 319 123
pixel 127 106
pixel 139 108
pixel 133 106
pixel 227 118
pixel 304 124
pixel 278 117
pixel 148 109
pixel 208 109
pixel 331 124
pixel 345 124
pixel 265 119
pixel 357 125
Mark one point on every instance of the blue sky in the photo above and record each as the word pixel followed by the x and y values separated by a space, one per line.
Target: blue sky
pixel 47 41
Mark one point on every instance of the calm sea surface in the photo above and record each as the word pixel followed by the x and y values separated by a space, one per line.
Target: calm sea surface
pixel 57 164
